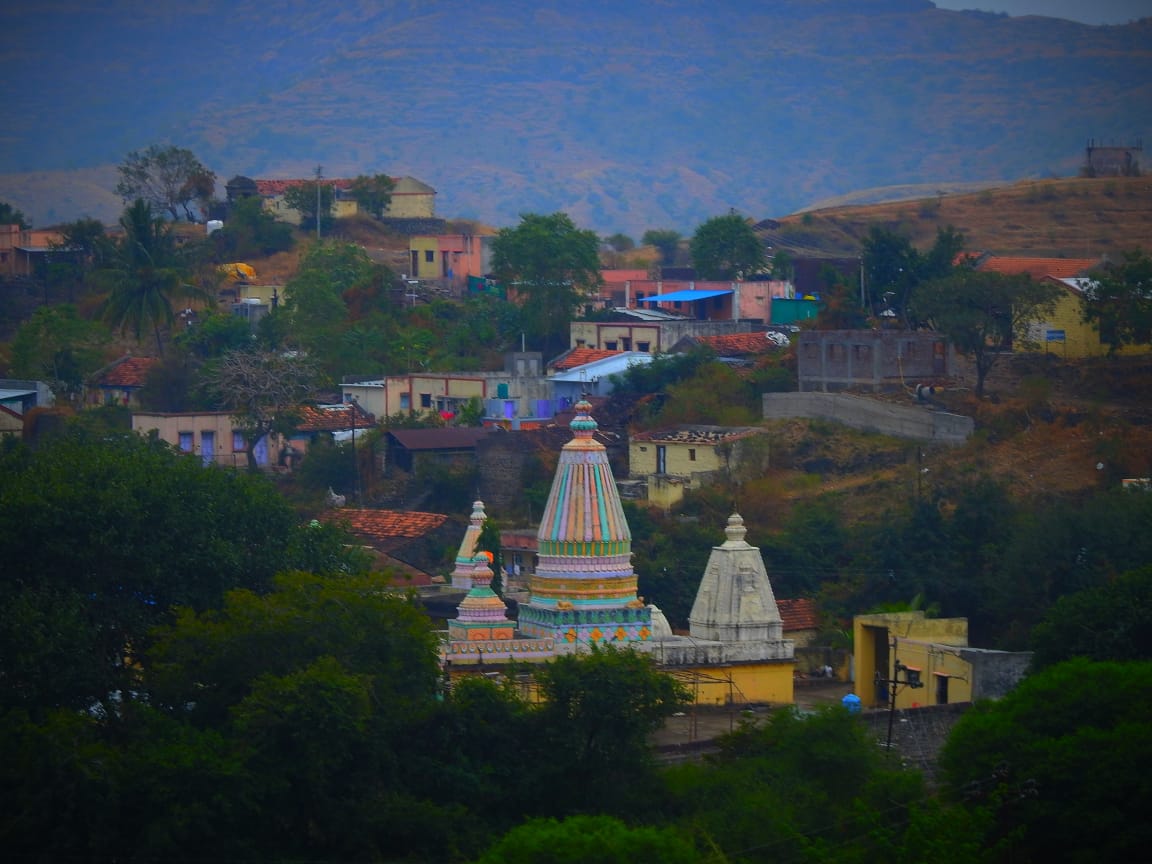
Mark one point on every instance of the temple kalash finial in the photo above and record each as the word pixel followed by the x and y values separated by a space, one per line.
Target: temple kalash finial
pixel 582 424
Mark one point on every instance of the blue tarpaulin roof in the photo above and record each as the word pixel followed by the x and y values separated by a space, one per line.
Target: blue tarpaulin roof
pixel 677 296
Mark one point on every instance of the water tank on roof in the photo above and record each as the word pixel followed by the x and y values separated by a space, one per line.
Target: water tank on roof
pixel 215 225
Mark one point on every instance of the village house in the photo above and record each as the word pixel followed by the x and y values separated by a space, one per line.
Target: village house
pixel 666 463
pixel 411 199
pixel 120 382
pixel 930 661
pixel 876 360
pixel 1065 333
pixel 449 260
pixel 209 435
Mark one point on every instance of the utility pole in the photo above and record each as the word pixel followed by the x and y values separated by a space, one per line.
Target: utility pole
pixel 355 456
pixel 319 177
pixel 911 679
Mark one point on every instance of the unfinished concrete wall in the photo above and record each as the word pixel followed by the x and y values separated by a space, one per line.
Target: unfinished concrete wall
pixel 918 424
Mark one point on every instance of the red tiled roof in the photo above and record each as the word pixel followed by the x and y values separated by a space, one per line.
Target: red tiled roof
pixel 739 343
pixel 330 418
pixel 127 372
pixel 1037 268
pixel 384 527
pixel 624 275
pixel 798 614
pixel 272 188
pixel 580 357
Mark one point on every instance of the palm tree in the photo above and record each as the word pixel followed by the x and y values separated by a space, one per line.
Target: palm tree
pixel 145 275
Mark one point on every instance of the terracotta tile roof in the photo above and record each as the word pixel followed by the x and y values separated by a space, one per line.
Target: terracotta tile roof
pixel 798 614
pixel 383 528
pixel 1037 268
pixel 272 188
pixel 127 372
pixel 439 439
pixel 331 418
pixel 624 275
pixel 580 357
pixel 739 343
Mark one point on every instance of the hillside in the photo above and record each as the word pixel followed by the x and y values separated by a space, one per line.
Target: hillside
pixel 651 114
pixel 1072 218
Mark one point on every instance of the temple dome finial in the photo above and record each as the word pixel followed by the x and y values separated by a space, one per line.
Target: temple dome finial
pixel 735 530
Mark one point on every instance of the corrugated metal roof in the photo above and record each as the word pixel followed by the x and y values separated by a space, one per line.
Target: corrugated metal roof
pixel 685 296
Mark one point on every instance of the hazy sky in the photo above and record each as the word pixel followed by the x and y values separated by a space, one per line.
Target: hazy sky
pixel 1088 11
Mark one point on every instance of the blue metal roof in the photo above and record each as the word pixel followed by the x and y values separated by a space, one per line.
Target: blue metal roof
pixel 678 296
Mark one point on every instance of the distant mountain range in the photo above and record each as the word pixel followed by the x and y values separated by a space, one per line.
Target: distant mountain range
pixel 627 115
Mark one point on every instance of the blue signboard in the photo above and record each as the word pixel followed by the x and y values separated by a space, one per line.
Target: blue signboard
pixel 1053 335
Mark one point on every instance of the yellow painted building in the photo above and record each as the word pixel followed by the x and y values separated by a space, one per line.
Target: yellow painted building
pixel 1065 333
pixel 929 660
pixel 424 258
pixel 672 461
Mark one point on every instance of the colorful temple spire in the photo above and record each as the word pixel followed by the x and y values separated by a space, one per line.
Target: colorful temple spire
pixel 481 615
pixel 584 589
pixel 462 572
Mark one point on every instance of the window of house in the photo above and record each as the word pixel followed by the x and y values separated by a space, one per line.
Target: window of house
pixel 862 352
pixel 185 442
pixel 429 255
pixel 237 442
pixel 580 343
pixel 676 304
pixel 691 454
pixel 625 344
pixel 425 400
pixel 639 297
pixel 611 346
pixel 405 401
pixel 643 346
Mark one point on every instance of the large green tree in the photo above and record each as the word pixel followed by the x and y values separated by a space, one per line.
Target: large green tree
pixel 1111 621
pixel 893 268
pixel 983 314
pixel 553 267
pixel 101 534
pixel 1118 299
pixel 598 711
pixel 264 390
pixel 589 840
pixel 250 231
pixel 9 215
pixel 56 345
pixel 305 197
pixel 373 193
pixel 1061 764
pixel 726 248
pixel 666 241
pixel 146 275
pixel 169 178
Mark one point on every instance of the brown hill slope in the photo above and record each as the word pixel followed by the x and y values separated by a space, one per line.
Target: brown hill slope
pixel 1073 217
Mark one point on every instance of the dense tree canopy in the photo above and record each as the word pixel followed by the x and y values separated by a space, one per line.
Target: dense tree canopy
pixel 102 534
pixel 306 197
pixel 726 247
pixel 553 267
pixel 146 275
pixel 666 240
pixel 168 178
pixel 373 193
pixel 9 215
pixel 1061 764
pixel 983 314
pixel 1118 300
pixel 893 268
pixel 59 347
